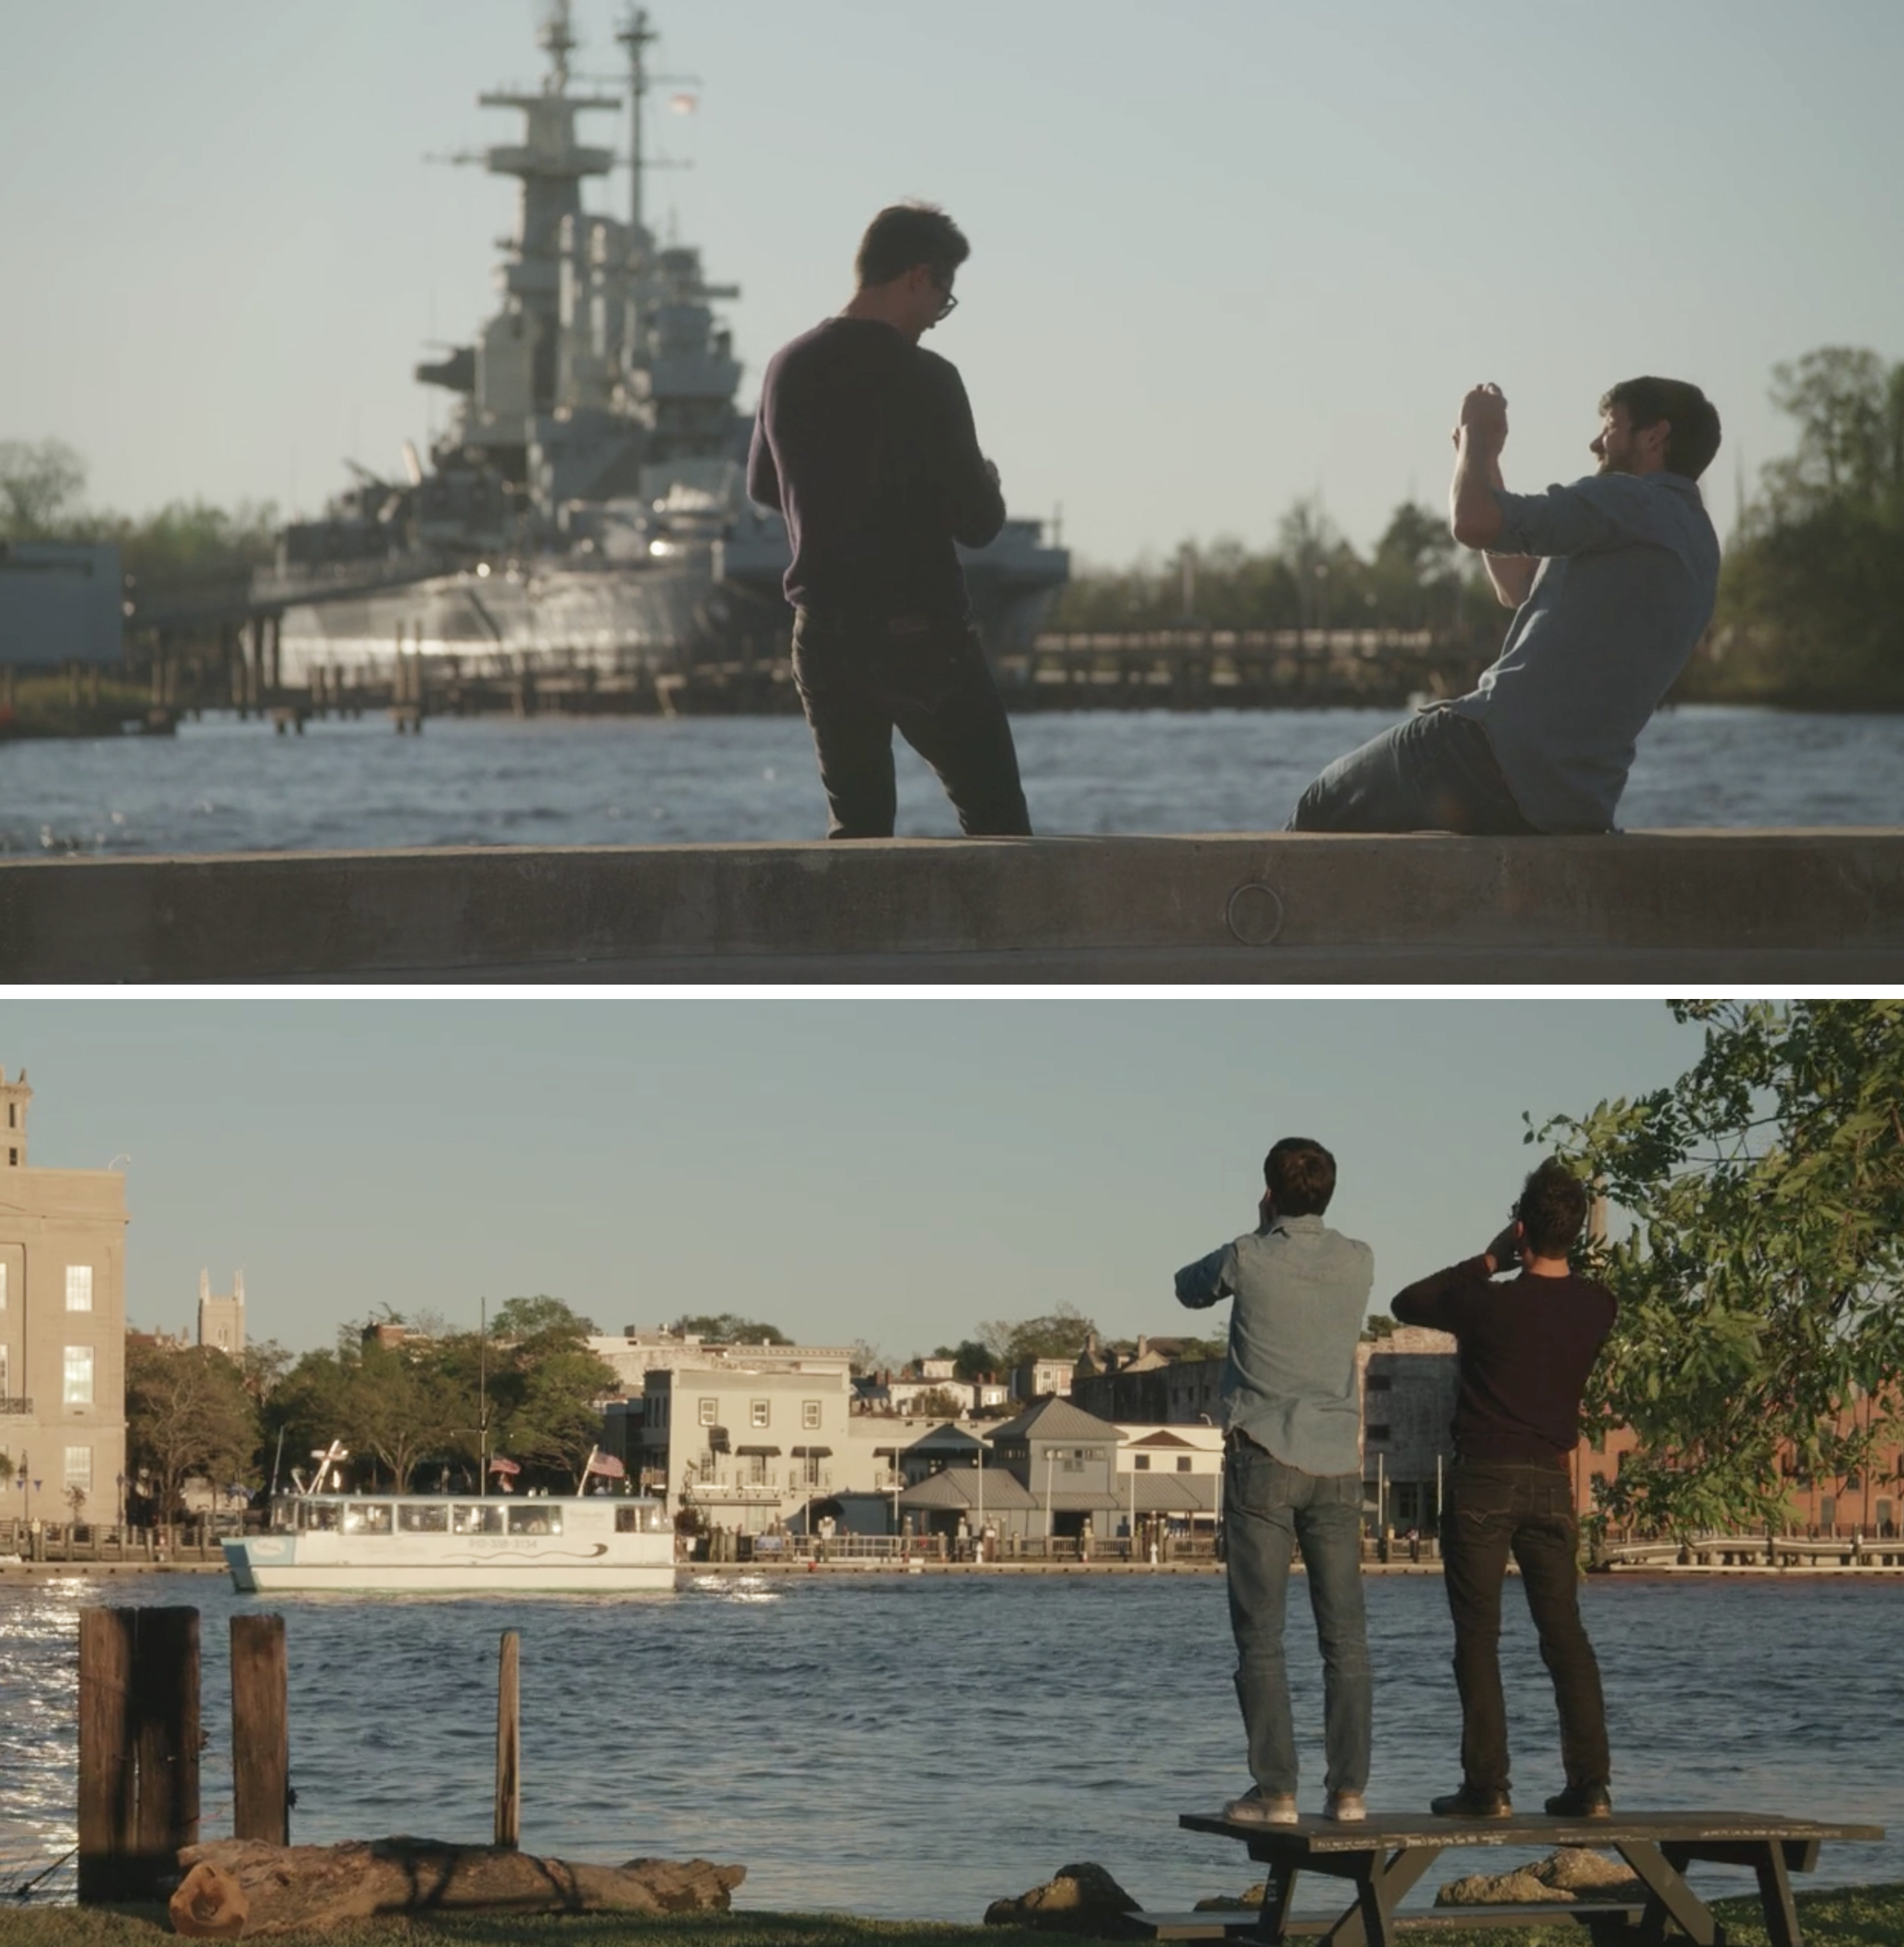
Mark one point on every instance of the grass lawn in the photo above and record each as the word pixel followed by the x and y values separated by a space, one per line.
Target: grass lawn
pixel 1851 1916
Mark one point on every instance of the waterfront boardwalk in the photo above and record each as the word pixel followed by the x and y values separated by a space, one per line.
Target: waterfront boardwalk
pixel 1242 909
pixel 1385 1856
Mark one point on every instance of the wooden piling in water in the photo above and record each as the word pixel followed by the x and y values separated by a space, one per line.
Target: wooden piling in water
pixel 509 1742
pixel 261 1739
pixel 138 1748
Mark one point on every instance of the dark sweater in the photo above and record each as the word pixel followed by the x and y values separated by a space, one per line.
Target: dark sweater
pixel 864 441
pixel 1527 1348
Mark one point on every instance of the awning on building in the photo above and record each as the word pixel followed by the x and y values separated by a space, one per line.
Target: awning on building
pixel 761 1452
pixel 717 1439
pixel 812 1453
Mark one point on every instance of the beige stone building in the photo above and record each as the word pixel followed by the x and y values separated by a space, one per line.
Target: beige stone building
pixel 222 1315
pixel 62 1330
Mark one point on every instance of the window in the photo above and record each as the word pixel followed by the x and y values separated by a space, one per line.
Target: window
pixel 79 1468
pixel 3 1373
pixel 809 1415
pixel 13 1158
pixel 810 1474
pixel 1141 1462
pixel 754 1470
pixel 78 1376
pixel 1379 1433
pixel 366 1517
pixel 424 1518
pixel 542 1519
pixel 710 1411
pixel 78 1287
pixel 476 1517
pixel 1183 1463
pixel 757 1412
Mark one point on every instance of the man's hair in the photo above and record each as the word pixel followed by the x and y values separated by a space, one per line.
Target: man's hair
pixel 1551 1208
pixel 906 233
pixel 1301 1176
pixel 1693 417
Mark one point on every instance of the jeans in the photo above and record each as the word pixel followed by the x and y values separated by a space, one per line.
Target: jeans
pixel 860 681
pixel 1269 1509
pixel 1434 772
pixel 1495 1507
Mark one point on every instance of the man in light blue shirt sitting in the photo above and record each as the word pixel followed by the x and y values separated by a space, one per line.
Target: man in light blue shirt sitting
pixel 1612 581
pixel 1293 1472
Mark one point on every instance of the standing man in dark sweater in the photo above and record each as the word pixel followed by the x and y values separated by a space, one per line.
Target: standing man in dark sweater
pixel 864 442
pixel 1526 1349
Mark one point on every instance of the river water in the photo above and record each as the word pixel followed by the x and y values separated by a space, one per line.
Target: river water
pixel 224 785
pixel 917 1746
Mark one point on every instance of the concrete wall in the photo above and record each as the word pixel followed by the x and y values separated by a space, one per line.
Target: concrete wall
pixel 1706 906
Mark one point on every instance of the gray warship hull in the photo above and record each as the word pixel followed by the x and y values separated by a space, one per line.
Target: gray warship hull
pixel 586 507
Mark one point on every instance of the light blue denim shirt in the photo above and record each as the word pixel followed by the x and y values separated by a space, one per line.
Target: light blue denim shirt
pixel 1300 1290
pixel 1628 571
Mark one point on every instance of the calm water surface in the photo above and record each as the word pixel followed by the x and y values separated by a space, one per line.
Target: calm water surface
pixel 917 1746
pixel 222 785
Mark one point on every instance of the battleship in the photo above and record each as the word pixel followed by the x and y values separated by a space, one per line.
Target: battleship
pixel 585 507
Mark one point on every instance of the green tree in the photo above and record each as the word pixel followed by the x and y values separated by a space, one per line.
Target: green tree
pixel 545 1385
pixel 397 1407
pixel 40 485
pixel 972 1359
pixel 1059 1333
pixel 1759 1286
pixel 729 1328
pixel 1811 601
pixel 941 1403
pixel 187 1414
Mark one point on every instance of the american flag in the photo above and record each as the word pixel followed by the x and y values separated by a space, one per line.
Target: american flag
pixel 684 104
pixel 606 1464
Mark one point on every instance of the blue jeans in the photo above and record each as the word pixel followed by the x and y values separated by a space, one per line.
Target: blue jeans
pixel 1269 1509
pixel 1435 772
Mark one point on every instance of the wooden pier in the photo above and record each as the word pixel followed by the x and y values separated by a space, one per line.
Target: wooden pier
pixel 241 668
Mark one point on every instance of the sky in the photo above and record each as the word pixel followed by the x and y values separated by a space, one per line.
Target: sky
pixel 1226 254
pixel 898 1171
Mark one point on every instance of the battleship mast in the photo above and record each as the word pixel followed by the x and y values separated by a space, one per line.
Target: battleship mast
pixel 635 36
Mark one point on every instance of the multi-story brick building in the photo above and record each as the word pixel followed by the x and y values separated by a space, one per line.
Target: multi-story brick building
pixel 62 1330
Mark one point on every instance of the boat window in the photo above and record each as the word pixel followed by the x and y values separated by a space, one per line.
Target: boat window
pixel 475 1517
pixel 632 1516
pixel 366 1517
pixel 535 1520
pixel 321 1514
pixel 424 1518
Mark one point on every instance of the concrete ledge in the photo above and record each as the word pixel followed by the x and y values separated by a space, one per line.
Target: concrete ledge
pixel 1706 906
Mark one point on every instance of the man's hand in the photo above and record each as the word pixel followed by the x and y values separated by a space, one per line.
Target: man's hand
pixel 1484 418
pixel 1506 1249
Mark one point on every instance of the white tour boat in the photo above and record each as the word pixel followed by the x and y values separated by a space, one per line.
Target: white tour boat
pixel 457 1543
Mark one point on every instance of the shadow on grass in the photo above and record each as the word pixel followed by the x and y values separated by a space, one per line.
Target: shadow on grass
pixel 1847 1916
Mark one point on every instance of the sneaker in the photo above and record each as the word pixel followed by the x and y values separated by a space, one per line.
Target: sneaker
pixel 1345 1808
pixel 1262 1808
pixel 1470 1802
pixel 1581 1801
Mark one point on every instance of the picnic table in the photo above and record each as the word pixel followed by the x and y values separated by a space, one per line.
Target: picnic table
pixel 1385 1856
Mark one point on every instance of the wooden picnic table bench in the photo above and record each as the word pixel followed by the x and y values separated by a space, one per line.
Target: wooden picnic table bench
pixel 1385 1856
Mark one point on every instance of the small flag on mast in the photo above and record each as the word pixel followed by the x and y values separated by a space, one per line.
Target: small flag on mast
pixel 605 1464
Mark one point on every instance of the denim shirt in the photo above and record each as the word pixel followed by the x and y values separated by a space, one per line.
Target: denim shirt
pixel 1629 568
pixel 1300 1290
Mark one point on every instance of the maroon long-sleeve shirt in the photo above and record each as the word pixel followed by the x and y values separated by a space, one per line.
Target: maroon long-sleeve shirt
pixel 864 441
pixel 1527 1348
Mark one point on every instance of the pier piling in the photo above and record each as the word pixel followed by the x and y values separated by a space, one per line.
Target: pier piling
pixel 138 1748
pixel 509 1742
pixel 261 1740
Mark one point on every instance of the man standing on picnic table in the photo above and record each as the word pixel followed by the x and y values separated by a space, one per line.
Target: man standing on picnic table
pixel 1292 1473
pixel 864 442
pixel 1612 580
pixel 1526 1349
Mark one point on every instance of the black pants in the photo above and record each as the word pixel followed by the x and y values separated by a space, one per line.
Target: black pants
pixel 1525 1508
pixel 859 681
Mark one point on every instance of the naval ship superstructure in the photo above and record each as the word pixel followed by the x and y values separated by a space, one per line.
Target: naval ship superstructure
pixel 586 505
